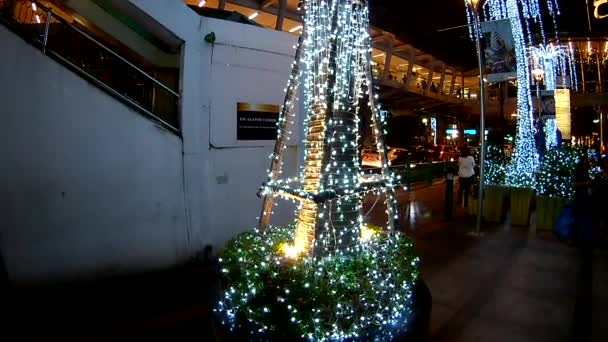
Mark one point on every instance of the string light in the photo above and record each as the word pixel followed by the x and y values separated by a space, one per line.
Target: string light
pixel 550 134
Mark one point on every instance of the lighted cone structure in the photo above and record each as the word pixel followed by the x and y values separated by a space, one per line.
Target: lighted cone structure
pixel 328 276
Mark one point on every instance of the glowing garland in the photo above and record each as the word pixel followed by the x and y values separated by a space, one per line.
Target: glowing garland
pixel 525 162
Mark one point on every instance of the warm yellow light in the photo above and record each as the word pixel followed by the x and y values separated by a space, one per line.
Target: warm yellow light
pixel 295 29
pixel 367 233
pixel 289 251
pixel 473 3
pixel 202 3
pixel 254 15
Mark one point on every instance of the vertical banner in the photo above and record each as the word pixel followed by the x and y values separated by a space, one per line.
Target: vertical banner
pixel 257 121
pixel 499 51
pixel 563 112
pixel 547 103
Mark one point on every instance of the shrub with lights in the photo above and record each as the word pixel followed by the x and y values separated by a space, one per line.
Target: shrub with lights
pixel 556 174
pixel 496 165
pixel 329 276
pixel 362 294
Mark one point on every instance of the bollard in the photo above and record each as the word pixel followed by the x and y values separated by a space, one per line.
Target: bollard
pixel 449 196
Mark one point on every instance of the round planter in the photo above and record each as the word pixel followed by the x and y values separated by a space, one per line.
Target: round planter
pixel 548 210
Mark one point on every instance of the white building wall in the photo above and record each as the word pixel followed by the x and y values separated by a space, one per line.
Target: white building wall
pixel 245 64
pixel 87 184
pixel 90 186
pixel 250 65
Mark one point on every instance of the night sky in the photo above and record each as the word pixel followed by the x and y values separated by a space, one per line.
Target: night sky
pixel 418 22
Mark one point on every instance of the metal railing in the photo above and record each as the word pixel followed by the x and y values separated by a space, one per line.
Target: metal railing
pixel 78 50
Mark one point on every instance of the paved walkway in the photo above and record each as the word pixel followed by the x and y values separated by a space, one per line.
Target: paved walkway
pixel 508 285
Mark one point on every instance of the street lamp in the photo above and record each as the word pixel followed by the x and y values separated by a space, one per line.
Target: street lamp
pixel 474 5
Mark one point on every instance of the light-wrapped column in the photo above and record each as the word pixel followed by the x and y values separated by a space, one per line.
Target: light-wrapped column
pixel 313 163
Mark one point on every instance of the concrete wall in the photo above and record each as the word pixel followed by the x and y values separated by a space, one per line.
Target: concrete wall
pixel 252 65
pixel 87 184
pixel 246 64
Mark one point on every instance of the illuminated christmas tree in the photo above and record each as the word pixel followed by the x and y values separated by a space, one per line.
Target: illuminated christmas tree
pixel 329 276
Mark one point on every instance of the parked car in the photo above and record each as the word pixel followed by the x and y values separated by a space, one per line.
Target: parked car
pixel 446 153
pixel 370 157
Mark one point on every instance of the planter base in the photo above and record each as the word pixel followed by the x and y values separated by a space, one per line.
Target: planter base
pixel 521 201
pixel 494 203
pixel 548 210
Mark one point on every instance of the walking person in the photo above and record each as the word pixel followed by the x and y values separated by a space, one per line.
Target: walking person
pixel 466 173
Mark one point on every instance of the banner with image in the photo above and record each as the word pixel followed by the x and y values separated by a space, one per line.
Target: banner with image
pixel 546 104
pixel 499 51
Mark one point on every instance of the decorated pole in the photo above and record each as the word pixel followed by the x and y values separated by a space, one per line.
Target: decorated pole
pixel 284 125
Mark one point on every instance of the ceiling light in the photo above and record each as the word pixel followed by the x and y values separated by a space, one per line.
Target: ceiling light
pixel 379 55
pixel 202 3
pixel 299 27
pixel 251 17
